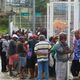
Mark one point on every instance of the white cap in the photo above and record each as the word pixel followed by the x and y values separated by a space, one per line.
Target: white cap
pixel 14 35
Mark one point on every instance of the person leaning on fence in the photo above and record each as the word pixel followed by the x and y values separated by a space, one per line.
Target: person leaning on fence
pixel 60 51
pixel 42 50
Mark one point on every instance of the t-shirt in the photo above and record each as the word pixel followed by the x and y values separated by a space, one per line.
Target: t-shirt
pixel 12 47
pixel 77 49
pixel 42 46
pixel 21 50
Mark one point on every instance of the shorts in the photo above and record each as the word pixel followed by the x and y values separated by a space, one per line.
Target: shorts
pixel 22 61
pixel 13 58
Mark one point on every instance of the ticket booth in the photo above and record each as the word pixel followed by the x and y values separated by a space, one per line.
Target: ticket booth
pixel 63 15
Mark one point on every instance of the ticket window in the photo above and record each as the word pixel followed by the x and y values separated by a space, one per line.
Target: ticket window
pixel 62 12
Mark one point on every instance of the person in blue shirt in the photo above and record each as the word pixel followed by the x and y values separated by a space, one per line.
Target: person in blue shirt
pixel 75 68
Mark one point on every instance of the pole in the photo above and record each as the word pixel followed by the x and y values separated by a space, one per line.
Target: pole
pixel 76 14
pixel 20 18
pixel 48 20
pixel 34 17
pixel 20 15
pixel 69 24
pixel 5 5
pixel 51 19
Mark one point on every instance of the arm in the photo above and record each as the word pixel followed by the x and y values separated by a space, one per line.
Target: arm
pixel 53 50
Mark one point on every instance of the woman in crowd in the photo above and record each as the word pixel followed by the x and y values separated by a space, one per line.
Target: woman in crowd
pixel 21 50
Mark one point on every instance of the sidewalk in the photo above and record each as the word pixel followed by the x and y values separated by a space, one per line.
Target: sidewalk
pixel 5 76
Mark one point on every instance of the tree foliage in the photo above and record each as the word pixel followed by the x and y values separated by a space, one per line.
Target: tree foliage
pixel 41 6
pixel 4 21
pixel 4 24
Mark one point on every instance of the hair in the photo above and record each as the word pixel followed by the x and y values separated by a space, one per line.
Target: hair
pixel 51 38
pixel 41 37
pixel 77 32
pixel 62 36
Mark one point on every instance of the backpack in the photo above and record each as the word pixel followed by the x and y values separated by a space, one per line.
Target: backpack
pixel 51 60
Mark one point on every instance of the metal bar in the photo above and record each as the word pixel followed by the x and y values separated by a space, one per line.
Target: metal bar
pixel 76 14
pixel 51 19
pixel 61 2
pixel 48 21
pixel 69 22
pixel 34 18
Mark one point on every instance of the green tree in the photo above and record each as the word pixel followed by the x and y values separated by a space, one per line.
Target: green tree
pixel 41 6
pixel 3 24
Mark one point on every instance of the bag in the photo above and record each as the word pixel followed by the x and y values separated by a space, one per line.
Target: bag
pixel 51 61
pixel 29 54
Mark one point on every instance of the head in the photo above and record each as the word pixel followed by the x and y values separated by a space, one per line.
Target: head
pixel 22 39
pixel 14 37
pixel 62 37
pixel 77 34
pixel 55 38
pixel 42 38
pixel 7 36
pixel 51 39
pixel 34 37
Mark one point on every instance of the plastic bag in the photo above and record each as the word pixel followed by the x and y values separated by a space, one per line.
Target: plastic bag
pixel 51 61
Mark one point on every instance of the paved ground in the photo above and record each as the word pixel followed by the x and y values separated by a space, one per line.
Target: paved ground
pixel 5 76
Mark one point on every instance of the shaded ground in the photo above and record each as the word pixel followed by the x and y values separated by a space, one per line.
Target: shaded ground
pixel 5 76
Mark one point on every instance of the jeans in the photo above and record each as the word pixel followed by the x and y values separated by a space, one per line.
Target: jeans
pixel 22 61
pixel 43 67
pixel 75 67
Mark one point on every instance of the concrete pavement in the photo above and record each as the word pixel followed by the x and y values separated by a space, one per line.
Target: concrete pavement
pixel 5 76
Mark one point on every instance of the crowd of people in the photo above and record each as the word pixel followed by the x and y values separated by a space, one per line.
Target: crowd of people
pixel 34 55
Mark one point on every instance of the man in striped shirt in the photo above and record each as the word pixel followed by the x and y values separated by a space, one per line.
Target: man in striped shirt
pixel 42 50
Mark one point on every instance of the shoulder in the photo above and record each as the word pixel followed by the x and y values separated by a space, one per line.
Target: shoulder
pixel 43 43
